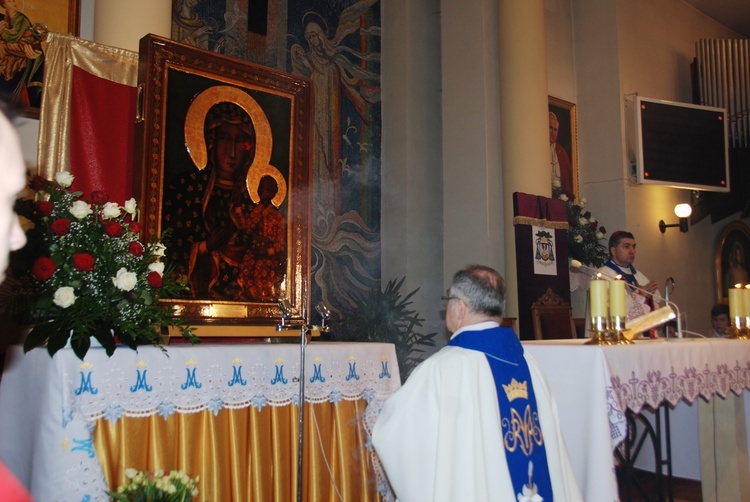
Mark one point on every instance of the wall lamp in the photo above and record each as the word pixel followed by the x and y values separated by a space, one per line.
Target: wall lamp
pixel 682 211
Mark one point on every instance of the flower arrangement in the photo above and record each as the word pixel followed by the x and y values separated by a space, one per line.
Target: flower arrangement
pixel 90 274
pixel 585 234
pixel 144 486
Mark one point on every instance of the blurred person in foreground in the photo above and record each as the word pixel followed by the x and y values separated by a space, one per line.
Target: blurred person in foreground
pixel 12 237
pixel 476 421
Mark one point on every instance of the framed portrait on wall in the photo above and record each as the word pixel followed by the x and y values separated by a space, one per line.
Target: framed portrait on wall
pixel 224 153
pixel 23 31
pixel 563 148
pixel 732 253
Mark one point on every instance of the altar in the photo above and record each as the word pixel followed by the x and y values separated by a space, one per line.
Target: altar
pixel 225 412
pixel 595 385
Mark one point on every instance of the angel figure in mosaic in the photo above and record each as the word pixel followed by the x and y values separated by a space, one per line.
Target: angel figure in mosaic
pixel 337 71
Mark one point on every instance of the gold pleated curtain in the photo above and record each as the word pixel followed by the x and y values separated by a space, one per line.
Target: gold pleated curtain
pixel 87 115
pixel 248 454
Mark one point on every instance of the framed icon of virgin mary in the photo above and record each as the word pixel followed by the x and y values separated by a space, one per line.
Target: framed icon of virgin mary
pixel 224 153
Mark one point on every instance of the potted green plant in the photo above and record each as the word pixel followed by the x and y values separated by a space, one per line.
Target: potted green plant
pixel 384 315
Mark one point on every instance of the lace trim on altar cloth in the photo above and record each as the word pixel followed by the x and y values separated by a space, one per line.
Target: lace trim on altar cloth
pixel 141 387
pixel 686 384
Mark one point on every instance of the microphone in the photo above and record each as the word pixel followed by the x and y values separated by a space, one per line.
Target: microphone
pixel 584 268
pixel 646 321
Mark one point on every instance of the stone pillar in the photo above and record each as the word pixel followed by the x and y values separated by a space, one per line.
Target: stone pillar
pixel 122 24
pixel 524 124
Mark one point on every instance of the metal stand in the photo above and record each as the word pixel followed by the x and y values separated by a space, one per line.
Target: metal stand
pixel 301 439
pixel 305 328
pixel 632 447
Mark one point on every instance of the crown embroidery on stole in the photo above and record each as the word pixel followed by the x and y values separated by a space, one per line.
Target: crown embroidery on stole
pixel 516 390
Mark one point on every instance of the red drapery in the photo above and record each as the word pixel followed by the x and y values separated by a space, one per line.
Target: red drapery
pixel 102 133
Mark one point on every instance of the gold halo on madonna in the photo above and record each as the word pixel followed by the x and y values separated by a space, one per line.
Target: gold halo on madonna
pixel 253 181
pixel 195 137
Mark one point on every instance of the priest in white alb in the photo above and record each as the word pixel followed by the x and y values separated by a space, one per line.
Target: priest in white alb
pixel 476 421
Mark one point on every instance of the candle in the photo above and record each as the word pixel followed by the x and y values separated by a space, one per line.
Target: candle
pixel 746 301
pixel 598 293
pixel 735 303
pixel 617 298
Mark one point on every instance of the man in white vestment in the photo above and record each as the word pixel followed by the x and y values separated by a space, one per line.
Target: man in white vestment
pixel 476 421
pixel 639 301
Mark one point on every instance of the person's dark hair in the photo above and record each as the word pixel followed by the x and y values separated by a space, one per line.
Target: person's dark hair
pixel 616 237
pixel 720 308
pixel 481 288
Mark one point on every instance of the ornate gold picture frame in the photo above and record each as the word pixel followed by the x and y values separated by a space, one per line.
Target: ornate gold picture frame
pixel 224 151
pixel 732 253
pixel 564 156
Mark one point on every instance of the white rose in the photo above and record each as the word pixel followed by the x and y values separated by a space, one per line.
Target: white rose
pixel 563 197
pixel 578 239
pixel 111 210
pixel 80 209
pixel 158 249
pixel 584 201
pixel 599 235
pixel 157 267
pixel 125 280
pixel 131 206
pixel 130 473
pixel 64 178
pixel 556 184
pixel 583 221
pixel 64 297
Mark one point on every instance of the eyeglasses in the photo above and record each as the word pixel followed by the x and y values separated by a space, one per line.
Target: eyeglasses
pixel 448 296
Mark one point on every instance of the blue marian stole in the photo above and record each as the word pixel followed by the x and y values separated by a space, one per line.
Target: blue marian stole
pixel 630 279
pixel 519 416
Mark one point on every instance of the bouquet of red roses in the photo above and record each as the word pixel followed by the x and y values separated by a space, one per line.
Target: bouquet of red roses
pixel 91 275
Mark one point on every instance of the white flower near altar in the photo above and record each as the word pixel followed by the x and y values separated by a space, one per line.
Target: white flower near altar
pixel 125 280
pixel 64 297
pixel 89 274
pixel 111 210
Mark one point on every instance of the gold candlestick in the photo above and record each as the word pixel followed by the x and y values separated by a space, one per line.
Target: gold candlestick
pixel 738 330
pixel 617 325
pixel 600 334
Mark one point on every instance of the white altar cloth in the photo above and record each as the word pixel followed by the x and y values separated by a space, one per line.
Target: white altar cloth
pixel 594 385
pixel 48 406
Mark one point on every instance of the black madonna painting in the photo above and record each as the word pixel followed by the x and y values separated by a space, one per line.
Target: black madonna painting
pixel 228 191
pixel 223 206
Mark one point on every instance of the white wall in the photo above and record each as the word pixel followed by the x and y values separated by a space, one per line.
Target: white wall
pixel 561 68
pixel 623 47
pixel 411 172
pixel 655 62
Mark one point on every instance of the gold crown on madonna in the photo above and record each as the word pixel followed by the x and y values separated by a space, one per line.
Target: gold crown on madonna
pixel 516 389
